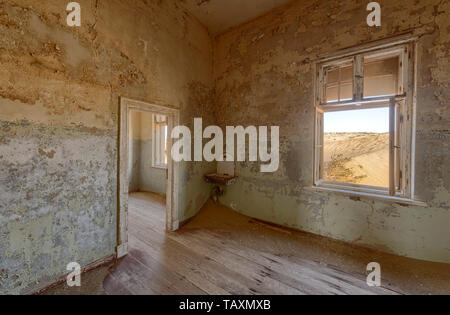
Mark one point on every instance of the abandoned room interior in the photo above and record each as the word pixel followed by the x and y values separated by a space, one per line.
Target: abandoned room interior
pixel 99 174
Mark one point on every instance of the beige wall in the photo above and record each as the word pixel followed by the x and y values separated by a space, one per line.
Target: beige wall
pixel 264 76
pixel 59 102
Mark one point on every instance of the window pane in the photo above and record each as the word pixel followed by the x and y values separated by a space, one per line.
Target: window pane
pixel 356 147
pixel 381 77
pixel 160 118
pixel 339 83
pixel 160 138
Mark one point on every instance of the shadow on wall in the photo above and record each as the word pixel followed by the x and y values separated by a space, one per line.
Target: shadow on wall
pixel 142 175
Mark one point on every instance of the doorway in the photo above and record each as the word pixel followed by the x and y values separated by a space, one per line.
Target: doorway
pixel 156 160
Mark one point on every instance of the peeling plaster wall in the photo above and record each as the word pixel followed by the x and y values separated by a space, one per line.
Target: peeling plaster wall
pixel 59 102
pixel 264 76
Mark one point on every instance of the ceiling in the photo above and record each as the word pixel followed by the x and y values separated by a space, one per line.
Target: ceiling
pixel 220 15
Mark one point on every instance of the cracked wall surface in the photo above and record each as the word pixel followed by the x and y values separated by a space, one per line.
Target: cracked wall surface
pixel 59 104
pixel 264 76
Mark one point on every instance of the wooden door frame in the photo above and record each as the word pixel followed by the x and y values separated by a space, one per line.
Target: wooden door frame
pixel 172 216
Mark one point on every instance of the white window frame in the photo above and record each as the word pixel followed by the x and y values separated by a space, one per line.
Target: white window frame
pixel 402 118
pixel 159 156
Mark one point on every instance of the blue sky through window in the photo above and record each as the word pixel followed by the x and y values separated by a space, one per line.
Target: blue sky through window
pixel 375 120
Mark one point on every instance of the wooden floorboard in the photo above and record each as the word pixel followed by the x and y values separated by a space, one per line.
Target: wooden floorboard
pixel 222 252
pixel 203 261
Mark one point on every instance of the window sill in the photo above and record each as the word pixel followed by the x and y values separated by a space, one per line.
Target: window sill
pixel 160 167
pixel 351 193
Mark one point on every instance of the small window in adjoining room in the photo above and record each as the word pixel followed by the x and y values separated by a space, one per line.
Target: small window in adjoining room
pixel 160 141
pixel 364 122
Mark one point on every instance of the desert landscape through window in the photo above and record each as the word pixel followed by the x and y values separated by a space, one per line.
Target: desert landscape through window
pixel 356 147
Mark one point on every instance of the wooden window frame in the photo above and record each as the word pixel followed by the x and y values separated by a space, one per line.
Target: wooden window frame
pixel 401 120
pixel 157 142
pixel 337 65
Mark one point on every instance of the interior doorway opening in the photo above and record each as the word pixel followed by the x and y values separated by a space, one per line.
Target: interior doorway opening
pixel 147 174
pixel 148 156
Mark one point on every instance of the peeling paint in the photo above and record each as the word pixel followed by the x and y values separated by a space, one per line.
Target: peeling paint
pixel 59 100
pixel 264 76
